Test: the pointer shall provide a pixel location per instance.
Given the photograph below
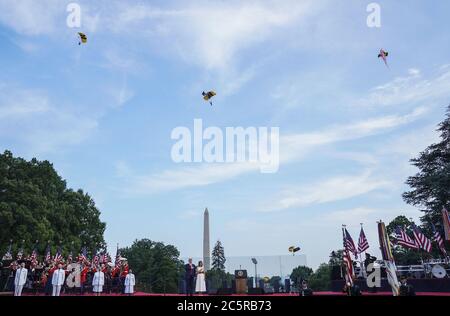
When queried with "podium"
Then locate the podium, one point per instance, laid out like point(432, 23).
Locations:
point(241, 281)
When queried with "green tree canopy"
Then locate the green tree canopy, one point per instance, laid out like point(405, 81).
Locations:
point(301, 273)
point(320, 280)
point(430, 187)
point(218, 257)
point(157, 266)
point(35, 204)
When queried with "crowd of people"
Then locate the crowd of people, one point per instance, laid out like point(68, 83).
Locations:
point(52, 278)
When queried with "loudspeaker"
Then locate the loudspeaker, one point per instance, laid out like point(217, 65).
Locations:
point(256, 291)
point(287, 286)
point(250, 284)
point(261, 283)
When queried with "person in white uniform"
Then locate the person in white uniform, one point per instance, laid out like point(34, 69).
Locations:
point(98, 281)
point(200, 285)
point(20, 280)
point(130, 282)
point(58, 280)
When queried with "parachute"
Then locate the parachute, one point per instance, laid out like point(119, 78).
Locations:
point(294, 249)
point(83, 38)
point(383, 55)
point(207, 96)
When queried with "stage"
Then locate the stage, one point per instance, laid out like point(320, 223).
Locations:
point(142, 294)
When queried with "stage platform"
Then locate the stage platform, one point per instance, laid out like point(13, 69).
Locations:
point(142, 294)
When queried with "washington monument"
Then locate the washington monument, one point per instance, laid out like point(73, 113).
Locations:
point(206, 249)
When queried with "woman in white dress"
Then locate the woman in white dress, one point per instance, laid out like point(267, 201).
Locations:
point(98, 281)
point(200, 285)
point(130, 282)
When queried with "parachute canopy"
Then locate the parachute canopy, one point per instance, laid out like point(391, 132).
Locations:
point(294, 249)
point(83, 38)
point(207, 96)
point(383, 55)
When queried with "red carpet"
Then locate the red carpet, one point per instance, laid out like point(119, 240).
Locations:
point(141, 294)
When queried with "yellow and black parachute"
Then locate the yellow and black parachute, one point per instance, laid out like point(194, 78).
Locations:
point(294, 249)
point(207, 96)
point(83, 38)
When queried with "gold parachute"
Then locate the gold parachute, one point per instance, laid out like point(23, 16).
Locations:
point(83, 38)
point(207, 96)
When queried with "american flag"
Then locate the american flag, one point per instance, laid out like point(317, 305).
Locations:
point(348, 243)
point(438, 239)
point(349, 273)
point(446, 221)
point(48, 256)
point(118, 256)
point(83, 255)
point(58, 256)
point(20, 254)
point(96, 259)
point(403, 239)
point(363, 244)
point(105, 257)
point(422, 240)
point(8, 254)
point(33, 257)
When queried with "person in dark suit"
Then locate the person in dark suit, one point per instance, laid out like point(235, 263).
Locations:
point(405, 288)
point(305, 290)
point(189, 276)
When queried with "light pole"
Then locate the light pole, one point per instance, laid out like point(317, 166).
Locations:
point(255, 262)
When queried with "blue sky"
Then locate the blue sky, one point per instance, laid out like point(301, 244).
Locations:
point(103, 112)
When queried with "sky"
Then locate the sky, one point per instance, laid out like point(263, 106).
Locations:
point(103, 113)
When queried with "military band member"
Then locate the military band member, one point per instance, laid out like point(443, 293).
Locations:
point(20, 279)
point(58, 278)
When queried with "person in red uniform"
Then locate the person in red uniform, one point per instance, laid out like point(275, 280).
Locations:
point(83, 278)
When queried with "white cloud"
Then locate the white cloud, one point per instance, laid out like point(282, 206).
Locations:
point(30, 17)
point(413, 88)
point(211, 33)
point(326, 190)
point(29, 118)
point(292, 148)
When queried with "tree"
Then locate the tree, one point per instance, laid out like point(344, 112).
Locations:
point(218, 279)
point(157, 266)
point(336, 258)
point(320, 280)
point(218, 257)
point(300, 273)
point(430, 187)
point(35, 204)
